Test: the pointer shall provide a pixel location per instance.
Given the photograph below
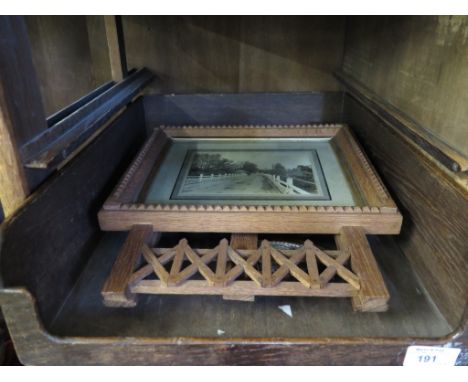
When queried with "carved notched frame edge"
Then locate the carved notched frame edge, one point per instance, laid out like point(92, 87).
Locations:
point(124, 198)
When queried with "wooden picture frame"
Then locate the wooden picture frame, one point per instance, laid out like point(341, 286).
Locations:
point(376, 212)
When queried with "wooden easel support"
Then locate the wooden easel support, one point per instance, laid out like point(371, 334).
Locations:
point(116, 289)
point(373, 295)
point(242, 241)
point(353, 263)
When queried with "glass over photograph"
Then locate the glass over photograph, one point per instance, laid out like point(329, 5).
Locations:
point(251, 174)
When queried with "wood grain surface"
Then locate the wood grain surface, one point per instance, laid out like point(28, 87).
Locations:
point(115, 290)
point(244, 241)
point(249, 222)
point(244, 108)
point(59, 220)
point(418, 65)
point(236, 53)
point(449, 157)
point(19, 91)
point(62, 60)
point(21, 317)
point(373, 295)
point(116, 47)
point(433, 204)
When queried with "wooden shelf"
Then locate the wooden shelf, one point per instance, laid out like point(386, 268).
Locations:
point(411, 312)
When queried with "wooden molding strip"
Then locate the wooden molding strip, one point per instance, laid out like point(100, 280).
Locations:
point(251, 131)
point(424, 139)
point(375, 221)
point(255, 208)
point(66, 111)
point(372, 188)
point(243, 288)
point(51, 147)
point(132, 181)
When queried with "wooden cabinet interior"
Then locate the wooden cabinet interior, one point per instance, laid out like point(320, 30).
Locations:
point(55, 260)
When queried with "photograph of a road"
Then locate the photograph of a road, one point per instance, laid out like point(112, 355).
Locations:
point(238, 184)
point(270, 174)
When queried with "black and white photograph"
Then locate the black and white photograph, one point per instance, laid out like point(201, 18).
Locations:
point(251, 174)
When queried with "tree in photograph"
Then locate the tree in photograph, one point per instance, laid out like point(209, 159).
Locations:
point(249, 167)
point(227, 166)
point(211, 164)
point(279, 169)
point(201, 163)
point(302, 172)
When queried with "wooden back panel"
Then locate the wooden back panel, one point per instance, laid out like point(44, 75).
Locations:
point(244, 108)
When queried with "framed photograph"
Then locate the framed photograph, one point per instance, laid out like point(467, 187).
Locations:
point(261, 179)
point(251, 175)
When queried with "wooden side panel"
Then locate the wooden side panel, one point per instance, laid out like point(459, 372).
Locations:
point(46, 243)
point(98, 49)
point(427, 141)
point(115, 46)
point(17, 73)
point(434, 207)
point(14, 186)
point(419, 65)
point(19, 91)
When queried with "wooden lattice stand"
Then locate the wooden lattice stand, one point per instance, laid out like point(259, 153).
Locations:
point(241, 274)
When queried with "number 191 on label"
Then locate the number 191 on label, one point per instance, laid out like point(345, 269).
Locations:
point(430, 355)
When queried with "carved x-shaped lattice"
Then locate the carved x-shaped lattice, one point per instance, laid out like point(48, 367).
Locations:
point(256, 265)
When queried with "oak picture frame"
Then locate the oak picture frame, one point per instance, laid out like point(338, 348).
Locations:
point(376, 212)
